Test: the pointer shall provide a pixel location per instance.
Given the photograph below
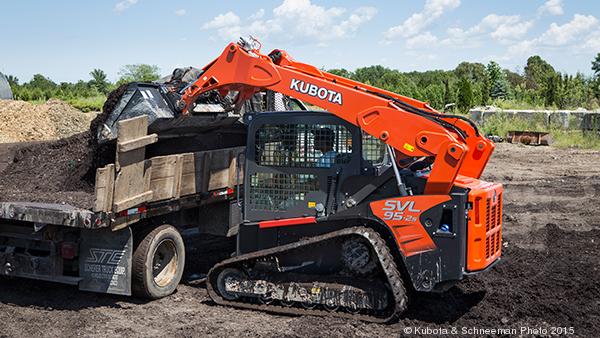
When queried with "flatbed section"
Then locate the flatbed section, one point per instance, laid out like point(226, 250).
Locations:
point(53, 213)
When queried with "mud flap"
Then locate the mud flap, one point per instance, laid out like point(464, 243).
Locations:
point(105, 261)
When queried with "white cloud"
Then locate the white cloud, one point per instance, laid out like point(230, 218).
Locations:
point(227, 25)
point(592, 42)
point(578, 34)
point(258, 15)
point(558, 35)
point(503, 28)
point(552, 7)
point(511, 30)
point(123, 5)
point(417, 22)
point(521, 48)
point(354, 21)
point(424, 40)
point(308, 18)
point(222, 20)
point(297, 19)
point(180, 12)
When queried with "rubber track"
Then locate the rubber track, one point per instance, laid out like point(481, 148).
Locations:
point(386, 260)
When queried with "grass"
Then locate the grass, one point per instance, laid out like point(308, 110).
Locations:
point(501, 124)
point(576, 139)
point(522, 105)
point(87, 104)
point(512, 104)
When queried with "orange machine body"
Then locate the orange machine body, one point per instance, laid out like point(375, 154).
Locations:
point(412, 128)
point(484, 222)
point(484, 235)
point(402, 215)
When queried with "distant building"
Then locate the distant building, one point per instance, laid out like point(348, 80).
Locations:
point(5, 92)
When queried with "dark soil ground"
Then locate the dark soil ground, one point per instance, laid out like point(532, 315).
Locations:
point(549, 275)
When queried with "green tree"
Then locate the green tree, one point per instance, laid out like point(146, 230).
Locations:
point(475, 72)
point(38, 94)
point(514, 79)
point(595, 82)
point(139, 73)
point(486, 88)
point(596, 65)
point(447, 93)
point(434, 95)
point(551, 90)
point(465, 95)
point(99, 80)
point(341, 72)
point(22, 93)
point(537, 72)
point(497, 80)
point(41, 82)
point(477, 93)
point(370, 74)
point(13, 81)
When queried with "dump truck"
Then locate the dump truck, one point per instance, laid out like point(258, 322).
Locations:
point(131, 236)
point(337, 212)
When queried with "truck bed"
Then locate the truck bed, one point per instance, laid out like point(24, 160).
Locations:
point(53, 213)
point(134, 187)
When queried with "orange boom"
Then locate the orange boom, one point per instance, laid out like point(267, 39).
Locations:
point(348, 236)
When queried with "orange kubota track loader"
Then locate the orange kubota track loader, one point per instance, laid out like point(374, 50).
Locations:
point(347, 210)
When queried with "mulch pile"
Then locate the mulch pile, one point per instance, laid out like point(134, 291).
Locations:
point(58, 171)
point(52, 172)
point(23, 121)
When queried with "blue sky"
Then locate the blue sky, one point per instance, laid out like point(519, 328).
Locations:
point(65, 39)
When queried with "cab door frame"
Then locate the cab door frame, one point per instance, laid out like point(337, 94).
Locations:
point(313, 185)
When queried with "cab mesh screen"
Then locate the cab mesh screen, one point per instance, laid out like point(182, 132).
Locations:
point(280, 192)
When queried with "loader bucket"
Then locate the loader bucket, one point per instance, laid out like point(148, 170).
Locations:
point(158, 100)
point(137, 99)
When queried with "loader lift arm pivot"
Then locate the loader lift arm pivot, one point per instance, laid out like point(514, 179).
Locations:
point(411, 127)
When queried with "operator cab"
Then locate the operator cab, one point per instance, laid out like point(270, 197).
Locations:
point(299, 163)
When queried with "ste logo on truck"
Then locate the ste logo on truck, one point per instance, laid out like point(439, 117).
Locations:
point(103, 264)
point(316, 91)
point(105, 256)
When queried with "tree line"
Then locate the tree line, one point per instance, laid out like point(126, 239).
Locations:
point(41, 87)
point(476, 84)
point(468, 85)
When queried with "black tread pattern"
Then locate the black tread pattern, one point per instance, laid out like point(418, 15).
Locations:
point(386, 259)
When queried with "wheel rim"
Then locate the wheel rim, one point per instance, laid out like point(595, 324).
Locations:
point(357, 257)
point(164, 263)
point(229, 276)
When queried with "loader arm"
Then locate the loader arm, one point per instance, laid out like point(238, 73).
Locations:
point(411, 127)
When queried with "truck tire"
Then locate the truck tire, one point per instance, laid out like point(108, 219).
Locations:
point(158, 262)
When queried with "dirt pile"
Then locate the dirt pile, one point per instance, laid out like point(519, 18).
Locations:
point(23, 121)
point(66, 119)
point(51, 170)
point(60, 171)
point(55, 171)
